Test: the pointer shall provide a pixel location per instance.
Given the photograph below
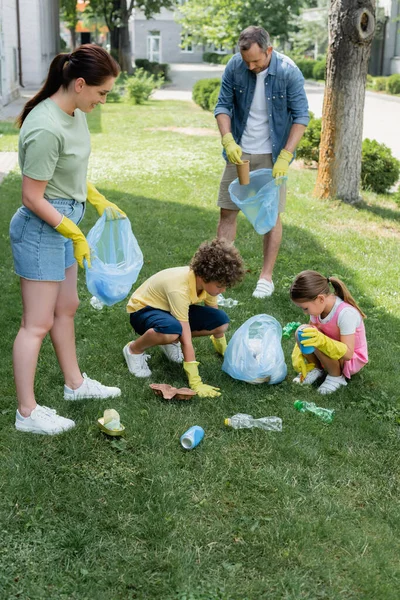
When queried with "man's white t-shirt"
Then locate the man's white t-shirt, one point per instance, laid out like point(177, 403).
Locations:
point(256, 138)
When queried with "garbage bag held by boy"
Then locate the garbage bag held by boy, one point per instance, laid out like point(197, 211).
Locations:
point(254, 353)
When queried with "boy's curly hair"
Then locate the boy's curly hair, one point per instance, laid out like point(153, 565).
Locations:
point(218, 261)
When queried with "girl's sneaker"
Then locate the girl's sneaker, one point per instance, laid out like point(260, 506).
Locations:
point(310, 378)
point(91, 388)
point(136, 363)
point(43, 420)
point(331, 384)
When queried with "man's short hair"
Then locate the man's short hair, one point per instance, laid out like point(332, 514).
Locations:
point(254, 35)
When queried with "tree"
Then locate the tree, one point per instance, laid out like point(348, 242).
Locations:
point(220, 22)
point(69, 15)
point(116, 14)
point(351, 29)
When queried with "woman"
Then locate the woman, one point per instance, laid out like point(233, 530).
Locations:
point(54, 149)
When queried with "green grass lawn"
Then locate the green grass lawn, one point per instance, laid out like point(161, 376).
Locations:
point(309, 513)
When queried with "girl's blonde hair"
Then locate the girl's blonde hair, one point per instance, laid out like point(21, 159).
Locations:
point(307, 285)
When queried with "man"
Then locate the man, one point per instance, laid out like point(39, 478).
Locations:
point(262, 113)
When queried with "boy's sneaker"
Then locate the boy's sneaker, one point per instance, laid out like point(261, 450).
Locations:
point(136, 363)
point(331, 384)
point(173, 351)
point(91, 388)
point(43, 420)
point(310, 378)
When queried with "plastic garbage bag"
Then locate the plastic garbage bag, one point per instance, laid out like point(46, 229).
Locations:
point(254, 353)
point(259, 199)
point(115, 257)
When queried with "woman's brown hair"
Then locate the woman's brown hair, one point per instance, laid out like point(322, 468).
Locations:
point(307, 285)
point(90, 62)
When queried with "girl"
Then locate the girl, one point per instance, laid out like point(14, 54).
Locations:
point(54, 148)
point(337, 333)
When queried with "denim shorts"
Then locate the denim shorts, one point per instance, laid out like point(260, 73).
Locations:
point(41, 253)
point(200, 318)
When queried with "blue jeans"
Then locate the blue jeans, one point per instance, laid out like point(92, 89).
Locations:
point(41, 253)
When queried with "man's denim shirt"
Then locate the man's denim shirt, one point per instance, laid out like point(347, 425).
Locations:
point(284, 89)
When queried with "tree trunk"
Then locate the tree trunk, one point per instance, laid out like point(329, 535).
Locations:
point(351, 29)
point(125, 54)
point(114, 42)
point(73, 37)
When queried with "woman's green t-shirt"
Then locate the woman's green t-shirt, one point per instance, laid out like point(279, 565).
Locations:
point(55, 147)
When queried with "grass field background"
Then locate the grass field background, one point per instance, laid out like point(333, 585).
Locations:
point(309, 513)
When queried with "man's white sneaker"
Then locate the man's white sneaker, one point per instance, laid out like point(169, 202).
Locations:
point(173, 351)
point(43, 420)
point(136, 363)
point(264, 289)
point(310, 378)
point(91, 388)
point(331, 384)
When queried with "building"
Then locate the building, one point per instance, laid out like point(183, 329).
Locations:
point(29, 40)
point(160, 39)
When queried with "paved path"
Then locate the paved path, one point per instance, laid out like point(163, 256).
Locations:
point(381, 115)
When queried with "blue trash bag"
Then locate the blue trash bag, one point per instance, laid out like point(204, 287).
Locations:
point(254, 353)
point(259, 199)
point(116, 259)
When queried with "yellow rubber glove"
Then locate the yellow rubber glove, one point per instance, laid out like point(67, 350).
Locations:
point(311, 336)
point(281, 165)
point(219, 344)
point(299, 362)
point(68, 229)
point(195, 382)
point(101, 203)
point(232, 149)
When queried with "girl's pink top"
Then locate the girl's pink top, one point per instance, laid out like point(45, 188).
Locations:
point(331, 329)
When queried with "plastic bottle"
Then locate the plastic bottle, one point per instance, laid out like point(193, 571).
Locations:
point(96, 303)
point(325, 414)
point(242, 421)
point(226, 302)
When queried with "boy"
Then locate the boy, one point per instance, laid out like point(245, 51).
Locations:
point(164, 311)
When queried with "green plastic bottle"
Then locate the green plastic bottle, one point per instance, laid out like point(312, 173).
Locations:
point(326, 414)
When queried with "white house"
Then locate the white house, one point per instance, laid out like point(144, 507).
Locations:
point(159, 39)
point(29, 40)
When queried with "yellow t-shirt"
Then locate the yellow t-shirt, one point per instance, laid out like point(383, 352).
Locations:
point(173, 290)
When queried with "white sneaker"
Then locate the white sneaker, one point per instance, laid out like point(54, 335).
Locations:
point(310, 378)
point(173, 351)
point(136, 363)
point(91, 388)
point(43, 420)
point(264, 289)
point(331, 384)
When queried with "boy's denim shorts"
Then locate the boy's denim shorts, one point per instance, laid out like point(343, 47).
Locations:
point(41, 253)
point(201, 318)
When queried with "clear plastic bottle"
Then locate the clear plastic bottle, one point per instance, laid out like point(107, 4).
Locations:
point(326, 414)
point(226, 302)
point(243, 421)
point(96, 303)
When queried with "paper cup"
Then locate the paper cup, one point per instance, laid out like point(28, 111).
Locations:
point(243, 172)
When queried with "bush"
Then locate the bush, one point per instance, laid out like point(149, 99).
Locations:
point(141, 85)
point(379, 168)
point(213, 99)
point(308, 148)
point(155, 68)
point(225, 59)
point(380, 84)
point(306, 66)
point(393, 84)
point(202, 90)
point(114, 96)
point(211, 57)
point(319, 69)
